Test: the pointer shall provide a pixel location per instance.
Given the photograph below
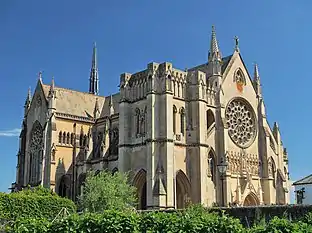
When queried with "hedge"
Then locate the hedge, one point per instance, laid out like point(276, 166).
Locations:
point(37, 203)
point(173, 222)
point(127, 222)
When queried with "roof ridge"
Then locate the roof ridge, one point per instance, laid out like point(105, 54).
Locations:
point(299, 181)
point(67, 89)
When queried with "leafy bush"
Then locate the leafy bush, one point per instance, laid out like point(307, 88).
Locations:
point(35, 203)
point(106, 191)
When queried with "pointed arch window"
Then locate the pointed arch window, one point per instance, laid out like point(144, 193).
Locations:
point(53, 155)
point(182, 120)
point(174, 122)
point(210, 118)
point(67, 138)
point(60, 137)
point(64, 138)
point(137, 115)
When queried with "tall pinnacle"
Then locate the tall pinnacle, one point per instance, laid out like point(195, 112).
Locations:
point(214, 52)
point(28, 98)
point(52, 87)
point(256, 72)
point(94, 79)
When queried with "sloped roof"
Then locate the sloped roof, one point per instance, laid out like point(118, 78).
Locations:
point(80, 103)
point(203, 67)
point(305, 180)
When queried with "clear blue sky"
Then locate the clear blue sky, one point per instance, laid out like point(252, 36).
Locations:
point(57, 37)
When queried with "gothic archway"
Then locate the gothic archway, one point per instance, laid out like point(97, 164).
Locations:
point(251, 200)
point(64, 186)
point(139, 182)
point(36, 154)
point(183, 190)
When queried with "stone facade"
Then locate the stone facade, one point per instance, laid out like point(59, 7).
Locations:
point(170, 128)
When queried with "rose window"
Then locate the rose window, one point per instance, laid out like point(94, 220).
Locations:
point(240, 119)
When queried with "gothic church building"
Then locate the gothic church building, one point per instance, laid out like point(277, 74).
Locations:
point(198, 135)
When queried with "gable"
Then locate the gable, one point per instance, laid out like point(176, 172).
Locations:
point(38, 106)
point(237, 82)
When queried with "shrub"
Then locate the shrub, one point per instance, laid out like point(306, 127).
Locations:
point(107, 191)
point(36, 203)
point(115, 221)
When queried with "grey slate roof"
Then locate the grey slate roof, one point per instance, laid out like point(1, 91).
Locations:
point(305, 180)
point(203, 67)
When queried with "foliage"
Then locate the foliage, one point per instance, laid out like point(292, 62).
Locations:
point(281, 226)
point(35, 203)
point(106, 191)
point(111, 221)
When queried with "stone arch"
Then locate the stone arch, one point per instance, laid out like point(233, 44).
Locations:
point(210, 118)
point(251, 200)
point(64, 186)
point(183, 190)
point(139, 181)
point(81, 182)
point(36, 154)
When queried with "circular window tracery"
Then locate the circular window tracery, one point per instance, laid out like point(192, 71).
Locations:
point(241, 122)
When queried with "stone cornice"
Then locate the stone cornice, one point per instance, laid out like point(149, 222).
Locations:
point(74, 117)
point(163, 140)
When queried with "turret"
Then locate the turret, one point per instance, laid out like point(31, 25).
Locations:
point(214, 59)
point(256, 81)
point(27, 102)
point(94, 76)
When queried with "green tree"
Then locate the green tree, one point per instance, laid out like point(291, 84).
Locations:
point(106, 191)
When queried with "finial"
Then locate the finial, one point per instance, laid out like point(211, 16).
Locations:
point(275, 125)
point(236, 43)
point(40, 76)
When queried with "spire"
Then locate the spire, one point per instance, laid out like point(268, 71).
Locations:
point(94, 79)
point(214, 59)
point(214, 52)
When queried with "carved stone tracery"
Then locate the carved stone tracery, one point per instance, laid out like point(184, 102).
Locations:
point(36, 153)
point(241, 122)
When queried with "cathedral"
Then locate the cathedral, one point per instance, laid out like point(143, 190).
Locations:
point(198, 135)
